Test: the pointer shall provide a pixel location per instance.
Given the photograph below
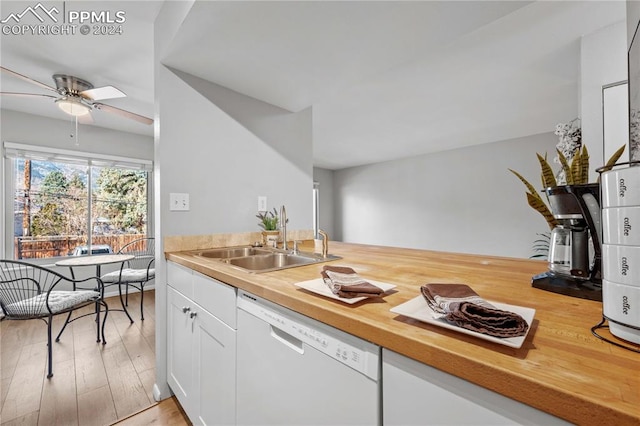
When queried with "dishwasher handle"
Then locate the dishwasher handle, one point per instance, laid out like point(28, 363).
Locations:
point(288, 340)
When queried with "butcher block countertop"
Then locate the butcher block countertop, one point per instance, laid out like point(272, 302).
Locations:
point(561, 368)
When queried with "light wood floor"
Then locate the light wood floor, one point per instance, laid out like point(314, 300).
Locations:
point(93, 384)
point(167, 412)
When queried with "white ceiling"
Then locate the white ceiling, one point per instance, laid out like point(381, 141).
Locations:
point(385, 79)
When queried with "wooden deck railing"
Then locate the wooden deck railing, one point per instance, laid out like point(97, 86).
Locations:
point(45, 247)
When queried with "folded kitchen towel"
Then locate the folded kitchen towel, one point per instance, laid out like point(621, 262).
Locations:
point(459, 304)
point(345, 282)
point(440, 297)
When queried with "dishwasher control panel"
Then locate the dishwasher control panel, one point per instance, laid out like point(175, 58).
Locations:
point(358, 354)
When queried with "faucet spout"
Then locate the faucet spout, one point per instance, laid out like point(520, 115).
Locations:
point(325, 243)
point(283, 227)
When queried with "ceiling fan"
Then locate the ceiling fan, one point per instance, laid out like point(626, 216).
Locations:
point(77, 97)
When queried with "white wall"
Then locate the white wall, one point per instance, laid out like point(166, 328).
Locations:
point(633, 16)
point(224, 149)
point(603, 60)
point(463, 200)
point(31, 129)
point(226, 162)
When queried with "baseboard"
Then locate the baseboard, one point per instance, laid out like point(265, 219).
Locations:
point(161, 392)
point(134, 414)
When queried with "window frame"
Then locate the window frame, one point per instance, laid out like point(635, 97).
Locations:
point(11, 151)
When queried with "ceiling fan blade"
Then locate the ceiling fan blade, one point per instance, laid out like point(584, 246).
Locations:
point(85, 119)
point(104, 92)
point(30, 80)
point(140, 118)
point(35, 95)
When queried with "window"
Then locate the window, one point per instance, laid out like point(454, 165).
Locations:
point(71, 205)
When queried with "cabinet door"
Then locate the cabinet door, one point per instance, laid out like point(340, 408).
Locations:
point(179, 344)
point(417, 394)
point(214, 361)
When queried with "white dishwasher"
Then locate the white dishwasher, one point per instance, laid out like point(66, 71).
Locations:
point(293, 370)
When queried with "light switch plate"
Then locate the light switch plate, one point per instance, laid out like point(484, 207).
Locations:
point(262, 203)
point(178, 201)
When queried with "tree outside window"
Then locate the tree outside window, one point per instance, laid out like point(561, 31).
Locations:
point(52, 207)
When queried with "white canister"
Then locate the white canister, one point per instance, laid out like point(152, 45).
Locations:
point(621, 303)
point(621, 187)
point(621, 225)
point(621, 264)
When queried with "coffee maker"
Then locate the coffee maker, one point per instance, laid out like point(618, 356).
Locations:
point(575, 260)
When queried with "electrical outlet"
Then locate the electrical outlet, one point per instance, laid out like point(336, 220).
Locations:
point(262, 203)
point(178, 201)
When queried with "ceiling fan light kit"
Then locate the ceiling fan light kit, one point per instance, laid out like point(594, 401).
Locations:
point(73, 106)
point(78, 96)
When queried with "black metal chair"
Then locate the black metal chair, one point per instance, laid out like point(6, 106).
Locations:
point(29, 291)
point(136, 272)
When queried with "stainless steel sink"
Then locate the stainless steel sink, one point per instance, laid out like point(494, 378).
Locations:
point(257, 260)
point(271, 261)
point(229, 252)
point(276, 261)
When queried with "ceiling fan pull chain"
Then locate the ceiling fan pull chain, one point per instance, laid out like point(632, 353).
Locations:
point(76, 135)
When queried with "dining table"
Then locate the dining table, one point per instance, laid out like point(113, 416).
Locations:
point(97, 260)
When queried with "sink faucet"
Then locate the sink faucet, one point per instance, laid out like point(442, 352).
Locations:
point(283, 227)
point(325, 242)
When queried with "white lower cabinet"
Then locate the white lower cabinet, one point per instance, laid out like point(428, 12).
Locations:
point(202, 361)
point(201, 358)
point(417, 394)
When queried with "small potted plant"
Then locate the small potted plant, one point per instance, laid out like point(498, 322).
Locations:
point(269, 223)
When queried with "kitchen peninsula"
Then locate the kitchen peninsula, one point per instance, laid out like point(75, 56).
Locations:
point(561, 368)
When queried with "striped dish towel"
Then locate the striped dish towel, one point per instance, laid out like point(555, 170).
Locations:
point(345, 282)
point(459, 304)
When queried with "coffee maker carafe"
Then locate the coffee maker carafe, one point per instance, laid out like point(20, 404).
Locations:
point(575, 261)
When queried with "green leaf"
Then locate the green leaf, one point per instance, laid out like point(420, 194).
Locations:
point(535, 256)
point(268, 220)
point(541, 242)
point(575, 168)
point(614, 158)
point(547, 174)
point(526, 183)
point(584, 166)
point(565, 167)
point(539, 205)
point(541, 246)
